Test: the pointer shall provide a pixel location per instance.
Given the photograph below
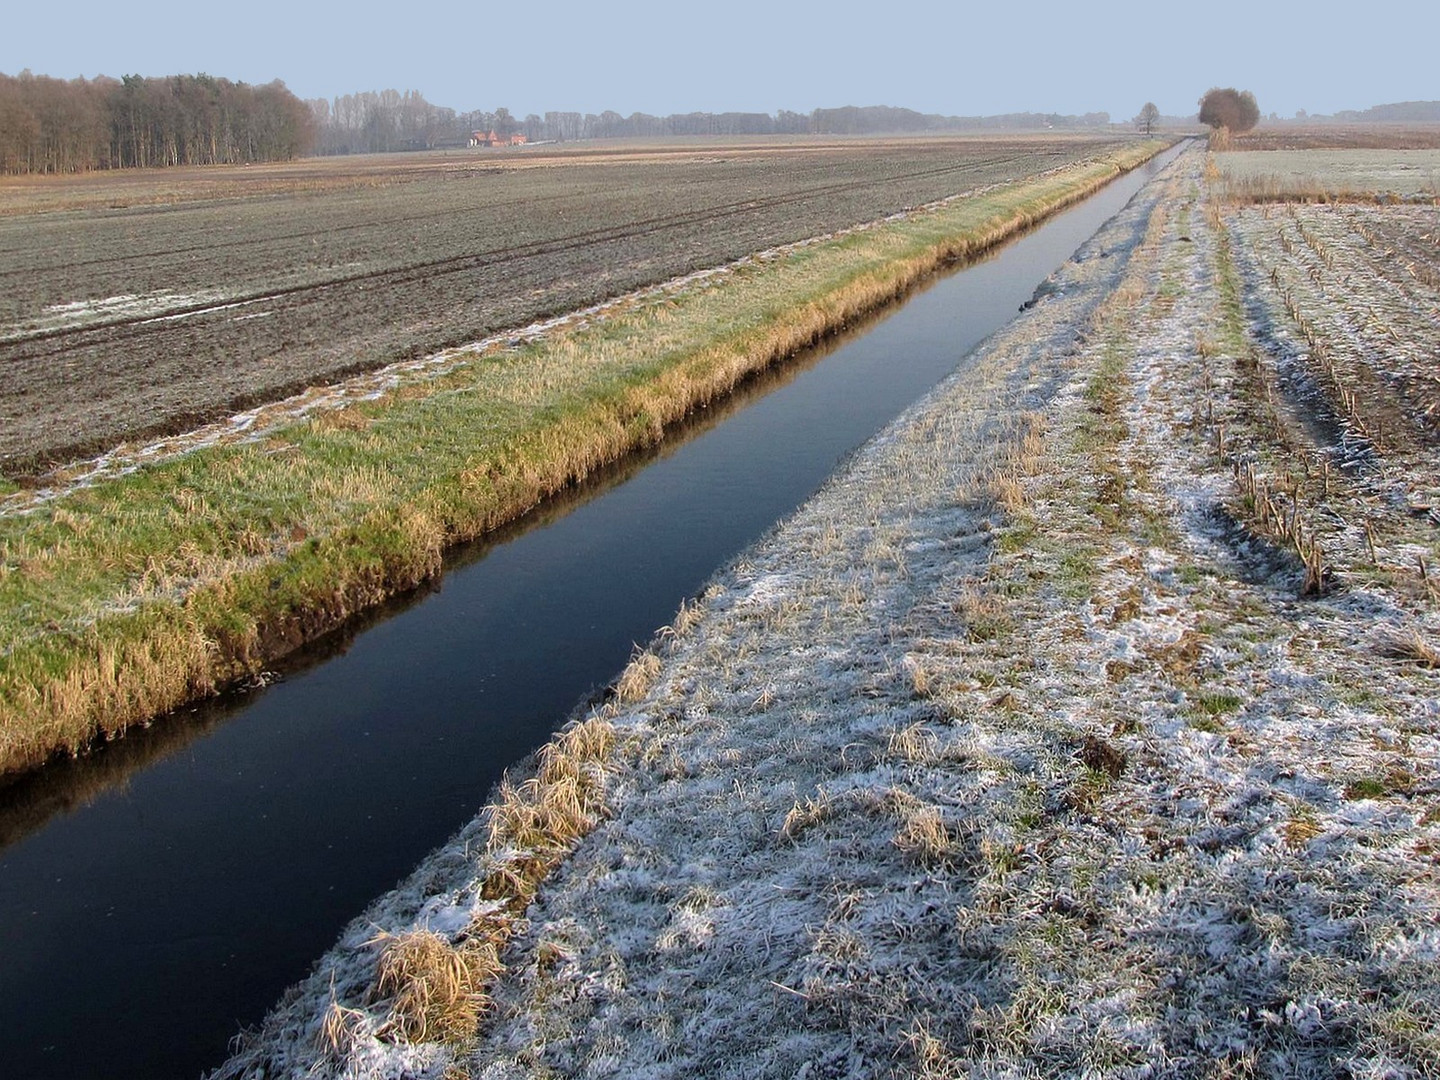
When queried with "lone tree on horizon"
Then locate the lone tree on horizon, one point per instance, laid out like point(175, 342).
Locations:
point(1234, 110)
point(1147, 118)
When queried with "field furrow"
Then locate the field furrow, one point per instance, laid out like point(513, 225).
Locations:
point(171, 308)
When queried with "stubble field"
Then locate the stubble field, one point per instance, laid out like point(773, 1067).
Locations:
point(146, 303)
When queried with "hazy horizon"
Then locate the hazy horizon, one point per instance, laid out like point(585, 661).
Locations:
point(643, 56)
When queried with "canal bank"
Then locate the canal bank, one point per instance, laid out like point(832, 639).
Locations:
point(211, 879)
point(705, 774)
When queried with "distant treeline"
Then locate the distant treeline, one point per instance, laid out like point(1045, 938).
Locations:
point(389, 120)
point(1400, 112)
point(57, 125)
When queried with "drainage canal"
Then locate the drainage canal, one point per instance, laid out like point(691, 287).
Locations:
point(159, 895)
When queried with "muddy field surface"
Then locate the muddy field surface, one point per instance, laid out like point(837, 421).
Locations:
point(1327, 136)
point(143, 304)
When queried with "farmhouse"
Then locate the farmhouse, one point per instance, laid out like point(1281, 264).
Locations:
point(489, 138)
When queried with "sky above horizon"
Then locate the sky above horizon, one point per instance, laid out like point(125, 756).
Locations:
point(759, 55)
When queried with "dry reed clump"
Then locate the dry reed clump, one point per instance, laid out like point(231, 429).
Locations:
point(340, 1030)
point(1410, 645)
point(686, 619)
point(437, 988)
point(924, 837)
point(1005, 490)
point(637, 678)
point(922, 679)
point(544, 815)
point(914, 743)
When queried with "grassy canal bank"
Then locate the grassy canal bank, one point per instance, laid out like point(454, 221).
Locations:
point(1027, 747)
point(127, 597)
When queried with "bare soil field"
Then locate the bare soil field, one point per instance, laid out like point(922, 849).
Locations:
point(145, 303)
point(1338, 136)
point(1085, 725)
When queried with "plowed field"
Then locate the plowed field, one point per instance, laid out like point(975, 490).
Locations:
point(144, 303)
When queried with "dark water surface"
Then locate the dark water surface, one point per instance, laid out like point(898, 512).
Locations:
point(160, 894)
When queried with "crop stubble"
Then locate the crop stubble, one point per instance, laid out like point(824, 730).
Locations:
point(243, 293)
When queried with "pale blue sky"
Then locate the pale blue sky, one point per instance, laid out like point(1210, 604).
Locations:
point(760, 55)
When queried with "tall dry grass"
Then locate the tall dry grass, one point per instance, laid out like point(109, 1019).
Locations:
point(435, 988)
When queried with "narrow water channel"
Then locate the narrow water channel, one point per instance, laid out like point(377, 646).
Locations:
point(159, 895)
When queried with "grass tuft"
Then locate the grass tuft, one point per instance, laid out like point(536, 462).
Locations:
point(339, 1031)
point(434, 987)
point(1409, 645)
point(637, 678)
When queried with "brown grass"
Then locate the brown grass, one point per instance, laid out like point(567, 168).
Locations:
point(923, 836)
point(915, 743)
point(1409, 645)
point(635, 681)
point(806, 815)
point(437, 988)
point(339, 1030)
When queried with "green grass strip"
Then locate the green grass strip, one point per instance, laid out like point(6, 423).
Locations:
point(129, 598)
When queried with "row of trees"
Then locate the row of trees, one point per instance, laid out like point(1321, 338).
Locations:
point(389, 120)
point(57, 125)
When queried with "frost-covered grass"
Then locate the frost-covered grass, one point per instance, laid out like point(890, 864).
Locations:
point(1321, 175)
point(1015, 752)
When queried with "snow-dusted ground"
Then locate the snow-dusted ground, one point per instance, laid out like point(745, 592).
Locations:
point(1015, 752)
point(1387, 172)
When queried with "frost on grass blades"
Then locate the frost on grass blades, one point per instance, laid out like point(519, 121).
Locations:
point(1020, 749)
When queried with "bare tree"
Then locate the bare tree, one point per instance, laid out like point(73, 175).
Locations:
point(53, 125)
point(1147, 118)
